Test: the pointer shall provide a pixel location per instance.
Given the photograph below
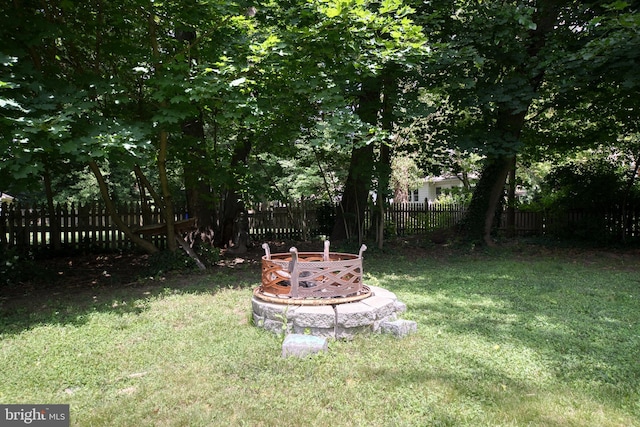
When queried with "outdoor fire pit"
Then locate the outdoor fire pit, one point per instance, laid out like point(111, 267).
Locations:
point(312, 278)
point(322, 294)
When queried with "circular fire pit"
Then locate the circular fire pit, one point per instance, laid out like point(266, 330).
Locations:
point(312, 278)
point(322, 294)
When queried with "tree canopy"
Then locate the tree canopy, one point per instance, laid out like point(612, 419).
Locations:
point(223, 104)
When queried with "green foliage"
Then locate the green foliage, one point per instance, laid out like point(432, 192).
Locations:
point(9, 266)
point(164, 262)
point(208, 254)
point(405, 176)
point(16, 268)
point(590, 188)
point(594, 184)
point(459, 196)
point(84, 81)
point(588, 96)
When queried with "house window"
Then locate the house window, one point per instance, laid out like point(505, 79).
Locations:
point(415, 195)
point(438, 192)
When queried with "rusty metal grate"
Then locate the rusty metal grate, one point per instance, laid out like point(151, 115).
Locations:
point(304, 277)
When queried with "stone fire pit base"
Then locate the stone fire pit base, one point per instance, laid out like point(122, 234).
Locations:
point(377, 313)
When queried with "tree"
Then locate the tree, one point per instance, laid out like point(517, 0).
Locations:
point(374, 39)
point(497, 55)
point(94, 82)
point(588, 101)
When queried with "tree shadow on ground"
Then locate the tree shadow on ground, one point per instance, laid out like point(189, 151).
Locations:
point(72, 288)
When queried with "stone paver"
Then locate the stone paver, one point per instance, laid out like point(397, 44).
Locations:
point(399, 328)
point(303, 345)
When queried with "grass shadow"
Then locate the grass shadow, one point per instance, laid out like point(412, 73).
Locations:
point(61, 305)
point(578, 317)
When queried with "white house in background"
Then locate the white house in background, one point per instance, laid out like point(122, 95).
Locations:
point(432, 187)
point(5, 198)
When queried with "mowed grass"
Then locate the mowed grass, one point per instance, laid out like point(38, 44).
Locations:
point(511, 337)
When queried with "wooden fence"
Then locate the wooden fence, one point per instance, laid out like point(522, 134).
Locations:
point(89, 227)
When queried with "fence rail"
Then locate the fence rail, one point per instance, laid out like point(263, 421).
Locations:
point(89, 227)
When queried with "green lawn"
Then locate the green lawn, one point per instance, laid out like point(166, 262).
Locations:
point(510, 337)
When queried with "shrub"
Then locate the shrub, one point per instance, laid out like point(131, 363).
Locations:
point(585, 199)
point(165, 261)
point(15, 268)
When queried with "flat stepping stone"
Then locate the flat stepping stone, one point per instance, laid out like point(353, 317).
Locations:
point(303, 345)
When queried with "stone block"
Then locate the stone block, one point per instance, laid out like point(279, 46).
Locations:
point(399, 328)
point(377, 323)
point(381, 292)
point(303, 345)
point(381, 306)
point(318, 332)
point(321, 316)
point(273, 311)
point(276, 326)
point(350, 333)
point(400, 307)
point(354, 314)
point(258, 320)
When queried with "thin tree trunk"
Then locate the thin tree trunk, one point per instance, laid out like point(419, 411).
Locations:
point(163, 137)
point(145, 186)
point(511, 201)
point(384, 163)
point(166, 191)
point(104, 192)
point(145, 182)
point(200, 199)
point(54, 220)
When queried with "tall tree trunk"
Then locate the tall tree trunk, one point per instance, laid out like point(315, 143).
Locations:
point(350, 215)
point(104, 192)
point(167, 198)
point(232, 203)
point(384, 162)
point(487, 194)
point(489, 191)
point(482, 211)
point(200, 199)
